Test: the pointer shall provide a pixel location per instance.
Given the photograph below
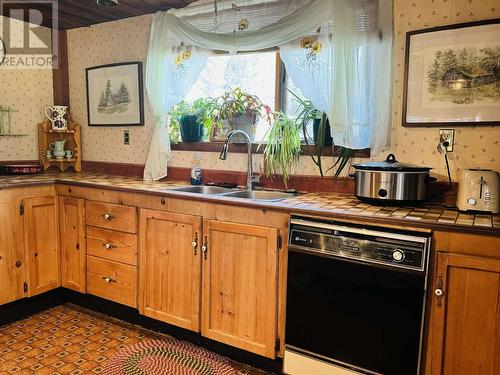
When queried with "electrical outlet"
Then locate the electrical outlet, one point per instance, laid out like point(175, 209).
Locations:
point(447, 135)
point(126, 137)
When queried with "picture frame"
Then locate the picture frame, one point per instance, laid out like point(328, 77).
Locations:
point(452, 75)
point(115, 95)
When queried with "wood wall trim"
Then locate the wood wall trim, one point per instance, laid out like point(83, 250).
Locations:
point(19, 162)
point(60, 76)
point(117, 169)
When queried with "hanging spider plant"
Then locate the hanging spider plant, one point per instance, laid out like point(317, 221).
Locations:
point(282, 149)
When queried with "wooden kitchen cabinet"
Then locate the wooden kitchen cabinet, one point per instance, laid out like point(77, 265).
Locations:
point(12, 263)
point(465, 324)
point(41, 237)
point(169, 267)
point(240, 285)
point(73, 243)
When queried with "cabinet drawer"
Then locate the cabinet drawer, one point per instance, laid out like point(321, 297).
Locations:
point(113, 281)
point(112, 245)
point(111, 216)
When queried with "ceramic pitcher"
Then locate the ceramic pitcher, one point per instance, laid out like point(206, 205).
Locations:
point(58, 148)
point(57, 116)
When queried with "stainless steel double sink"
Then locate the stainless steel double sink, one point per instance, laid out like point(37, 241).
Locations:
point(259, 195)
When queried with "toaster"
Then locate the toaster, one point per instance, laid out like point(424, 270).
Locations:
point(478, 190)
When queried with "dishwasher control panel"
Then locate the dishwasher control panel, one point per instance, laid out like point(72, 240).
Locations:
point(360, 244)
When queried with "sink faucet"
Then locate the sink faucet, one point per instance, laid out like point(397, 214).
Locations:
point(225, 151)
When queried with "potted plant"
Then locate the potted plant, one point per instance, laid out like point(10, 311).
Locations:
point(239, 110)
point(191, 121)
point(282, 149)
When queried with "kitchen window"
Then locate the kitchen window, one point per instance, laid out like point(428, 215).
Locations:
point(259, 73)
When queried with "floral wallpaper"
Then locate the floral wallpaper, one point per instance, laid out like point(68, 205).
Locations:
point(28, 92)
point(127, 40)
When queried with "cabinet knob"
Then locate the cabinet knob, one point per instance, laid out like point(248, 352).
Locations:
point(108, 279)
point(204, 248)
point(439, 290)
point(18, 264)
point(108, 246)
point(108, 216)
point(195, 244)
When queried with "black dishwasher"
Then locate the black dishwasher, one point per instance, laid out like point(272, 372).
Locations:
point(355, 298)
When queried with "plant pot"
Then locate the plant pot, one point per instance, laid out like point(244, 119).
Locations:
point(328, 137)
point(191, 130)
point(246, 123)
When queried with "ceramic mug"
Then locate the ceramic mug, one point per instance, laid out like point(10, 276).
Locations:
point(69, 153)
point(57, 116)
point(58, 148)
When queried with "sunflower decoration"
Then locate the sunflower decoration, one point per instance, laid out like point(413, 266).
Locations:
point(181, 58)
point(313, 49)
point(243, 24)
point(316, 48)
point(180, 62)
point(306, 42)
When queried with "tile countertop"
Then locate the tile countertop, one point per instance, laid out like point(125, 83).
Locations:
point(330, 205)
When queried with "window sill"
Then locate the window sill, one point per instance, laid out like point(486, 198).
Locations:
point(242, 148)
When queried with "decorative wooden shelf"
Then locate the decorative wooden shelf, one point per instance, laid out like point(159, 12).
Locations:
point(72, 136)
point(68, 131)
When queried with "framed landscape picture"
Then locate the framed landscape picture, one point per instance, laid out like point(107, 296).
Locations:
point(115, 95)
point(452, 75)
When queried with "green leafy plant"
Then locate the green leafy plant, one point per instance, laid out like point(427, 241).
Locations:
point(307, 113)
point(236, 102)
point(201, 108)
point(282, 149)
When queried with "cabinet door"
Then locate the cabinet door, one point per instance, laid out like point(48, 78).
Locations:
point(240, 286)
point(41, 235)
point(465, 336)
point(12, 264)
point(73, 244)
point(169, 268)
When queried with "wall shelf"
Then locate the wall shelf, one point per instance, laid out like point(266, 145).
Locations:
point(72, 136)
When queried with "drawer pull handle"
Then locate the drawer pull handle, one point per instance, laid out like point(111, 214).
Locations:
point(109, 246)
point(108, 216)
point(108, 279)
point(195, 244)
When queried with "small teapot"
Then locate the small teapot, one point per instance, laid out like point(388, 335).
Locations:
point(57, 116)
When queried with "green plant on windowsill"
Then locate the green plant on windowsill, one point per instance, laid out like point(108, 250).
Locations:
point(239, 110)
point(191, 123)
point(321, 138)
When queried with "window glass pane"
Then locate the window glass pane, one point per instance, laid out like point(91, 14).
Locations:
point(254, 73)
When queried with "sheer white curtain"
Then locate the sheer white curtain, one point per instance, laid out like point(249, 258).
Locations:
point(353, 55)
point(170, 73)
point(344, 69)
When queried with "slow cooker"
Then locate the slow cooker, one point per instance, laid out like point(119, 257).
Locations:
point(391, 182)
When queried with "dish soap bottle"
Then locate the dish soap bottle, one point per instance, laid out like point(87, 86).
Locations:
point(196, 178)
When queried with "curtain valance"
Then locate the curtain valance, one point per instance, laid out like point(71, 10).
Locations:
point(303, 21)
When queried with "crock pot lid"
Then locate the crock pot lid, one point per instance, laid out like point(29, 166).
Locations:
point(390, 164)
